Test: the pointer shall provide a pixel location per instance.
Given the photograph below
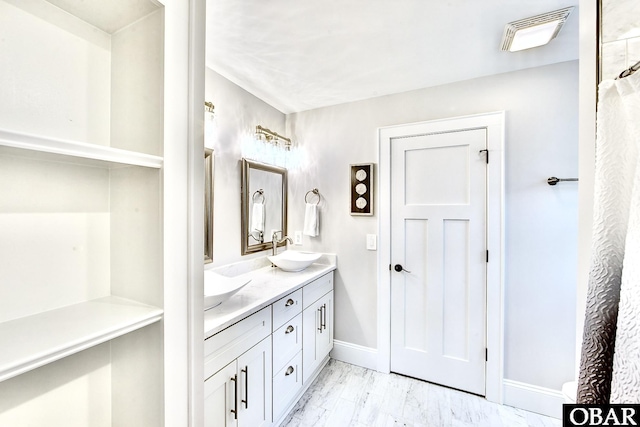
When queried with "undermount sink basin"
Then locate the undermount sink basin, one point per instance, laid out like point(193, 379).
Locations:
point(294, 260)
point(218, 289)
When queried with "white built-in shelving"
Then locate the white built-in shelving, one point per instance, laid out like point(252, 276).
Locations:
point(73, 151)
point(34, 341)
point(82, 142)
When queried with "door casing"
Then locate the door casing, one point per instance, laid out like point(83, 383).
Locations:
point(494, 123)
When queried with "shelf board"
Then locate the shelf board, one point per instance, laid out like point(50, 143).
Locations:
point(33, 341)
point(17, 143)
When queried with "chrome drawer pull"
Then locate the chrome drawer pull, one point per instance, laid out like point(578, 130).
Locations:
point(289, 371)
point(289, 302)
point(289, 329)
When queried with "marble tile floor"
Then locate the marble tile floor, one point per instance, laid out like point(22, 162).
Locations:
point(346, 395)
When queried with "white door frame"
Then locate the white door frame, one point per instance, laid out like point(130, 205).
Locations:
point(494, 124)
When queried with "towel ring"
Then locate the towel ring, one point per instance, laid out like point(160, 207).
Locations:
point(314, 191)
point(258, 193)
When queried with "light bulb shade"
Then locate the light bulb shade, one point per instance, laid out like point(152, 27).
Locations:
point(535, 31)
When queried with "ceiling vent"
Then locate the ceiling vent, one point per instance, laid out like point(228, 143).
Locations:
point(535, 31)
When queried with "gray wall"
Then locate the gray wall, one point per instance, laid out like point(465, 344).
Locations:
point(541, 107)
point(237, 114)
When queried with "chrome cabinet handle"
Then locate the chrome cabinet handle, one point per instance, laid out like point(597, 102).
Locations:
point(289, 371)
point(320, 322)
point(324, 316)
point(234, 411)
point(289, 329)
point(246, 386)
point(289, 302)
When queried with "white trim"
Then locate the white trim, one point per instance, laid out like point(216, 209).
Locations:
point(355, 354)
point(195, 237)
point(533, 398)
point(494, 123)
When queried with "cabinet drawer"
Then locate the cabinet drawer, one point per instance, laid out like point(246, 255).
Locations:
point(286, 308)
point(316, 289)
point(225, 346)
point(286, 384)
point(287, 341)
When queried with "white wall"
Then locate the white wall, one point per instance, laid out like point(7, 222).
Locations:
point(541, 221)
point(41, 80)
point(237, 113)
point(541, 230)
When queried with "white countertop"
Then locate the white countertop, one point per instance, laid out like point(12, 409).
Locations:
point(268, 284)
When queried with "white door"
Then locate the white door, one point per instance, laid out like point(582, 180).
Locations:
point(438, 237)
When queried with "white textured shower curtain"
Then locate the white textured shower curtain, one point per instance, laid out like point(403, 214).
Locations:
point(610, 359)
point(625, 384)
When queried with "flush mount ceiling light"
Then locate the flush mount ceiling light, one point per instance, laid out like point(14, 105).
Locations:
point(535, 31)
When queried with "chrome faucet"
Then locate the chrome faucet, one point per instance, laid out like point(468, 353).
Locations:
point(275, 242)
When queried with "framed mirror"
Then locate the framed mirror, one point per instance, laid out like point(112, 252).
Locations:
point(208, 205)
point(264, 205)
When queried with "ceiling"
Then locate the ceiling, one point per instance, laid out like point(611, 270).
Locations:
point(300, 55)
point(109, 16)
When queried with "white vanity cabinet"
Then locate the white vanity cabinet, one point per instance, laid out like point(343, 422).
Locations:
point(239, 392)
point(297, 332)
point(287, 351)
point(317, 324)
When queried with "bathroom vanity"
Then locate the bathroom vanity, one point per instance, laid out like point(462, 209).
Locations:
point(265, 345)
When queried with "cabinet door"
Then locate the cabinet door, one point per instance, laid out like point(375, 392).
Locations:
point(317, 334)
point(254, 379)
point(220, 398)
point(324, 341)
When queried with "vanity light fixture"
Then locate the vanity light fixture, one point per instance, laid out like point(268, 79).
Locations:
point(273, 137)
point(534, 31)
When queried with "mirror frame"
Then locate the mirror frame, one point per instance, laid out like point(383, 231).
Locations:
point(247, 165)
point(208, 205)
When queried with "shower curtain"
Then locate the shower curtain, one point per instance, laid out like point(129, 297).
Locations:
point(610, 359)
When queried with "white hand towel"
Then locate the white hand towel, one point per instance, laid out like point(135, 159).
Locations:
point(311, 220)
point(257, 217)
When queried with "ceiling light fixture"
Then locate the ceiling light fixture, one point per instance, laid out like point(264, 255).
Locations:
point(534, 31)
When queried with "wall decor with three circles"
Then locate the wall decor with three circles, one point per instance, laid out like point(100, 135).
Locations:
point(362, 189)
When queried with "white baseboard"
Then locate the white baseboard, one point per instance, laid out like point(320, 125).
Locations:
point(354, 354)
point(533, 398)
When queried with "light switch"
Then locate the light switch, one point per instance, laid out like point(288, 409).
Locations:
point(372, 243)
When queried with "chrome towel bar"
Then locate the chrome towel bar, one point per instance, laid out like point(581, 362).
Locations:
point(553, 180)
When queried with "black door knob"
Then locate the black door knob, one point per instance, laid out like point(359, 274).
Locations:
point(400, 268)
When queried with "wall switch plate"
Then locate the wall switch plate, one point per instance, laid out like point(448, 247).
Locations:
point(297, 238)
point(372, 242)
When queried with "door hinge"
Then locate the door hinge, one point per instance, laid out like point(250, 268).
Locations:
point(486, 158)
point(486, 354)
point(487, 255)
